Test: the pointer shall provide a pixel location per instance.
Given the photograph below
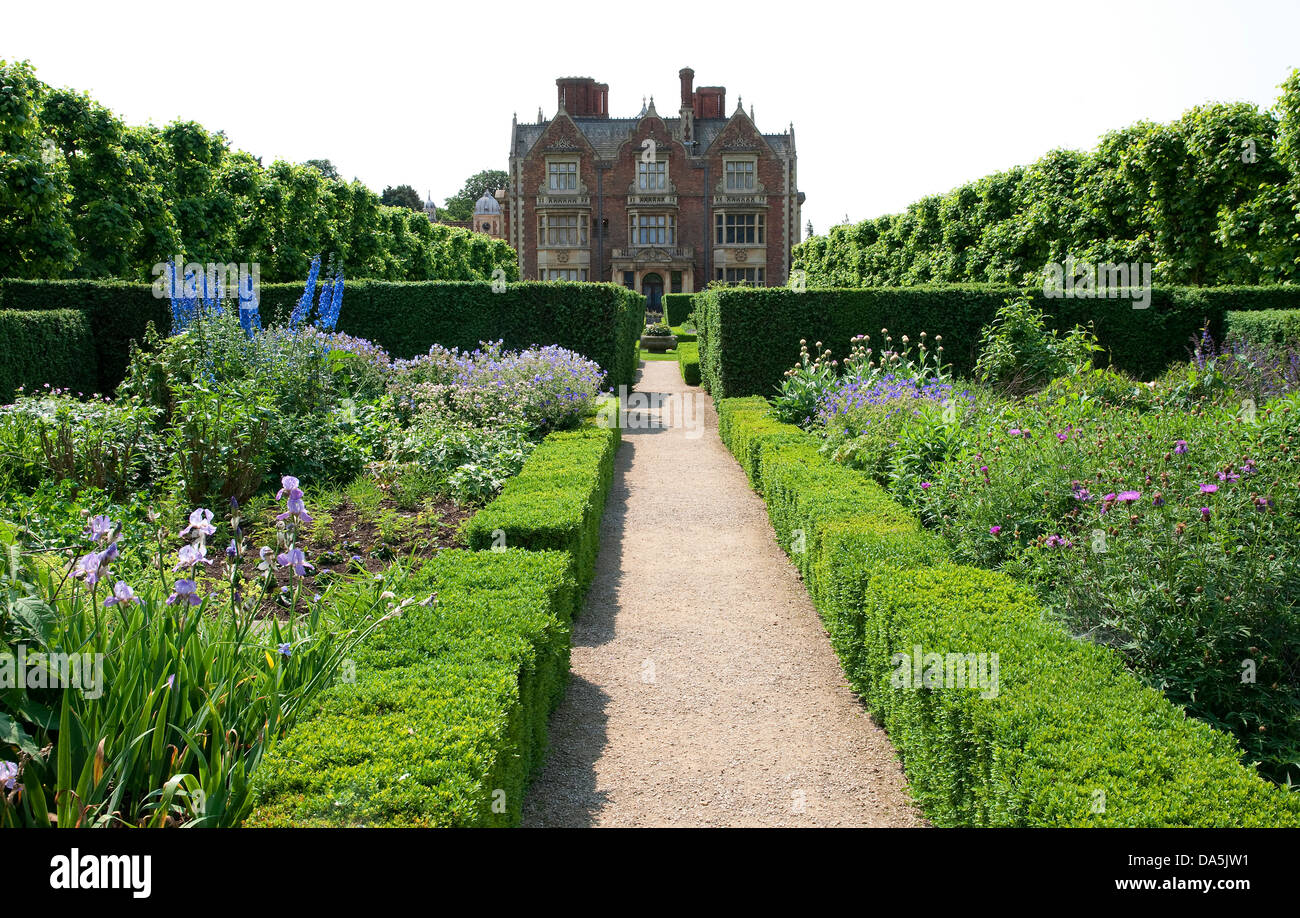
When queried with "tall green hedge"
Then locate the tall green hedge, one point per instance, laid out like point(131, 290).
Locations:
point(46, 346)
point(749, 337)
point(1069, 738)
point(1265, 326)
point(677, 307)
point(600, 321)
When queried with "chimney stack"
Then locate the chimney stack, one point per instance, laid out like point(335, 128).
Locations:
point(583, 97)
point(688, 82)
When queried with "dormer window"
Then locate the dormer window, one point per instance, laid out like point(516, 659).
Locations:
point(739, 174)
point(652, 176)
point(562, 175)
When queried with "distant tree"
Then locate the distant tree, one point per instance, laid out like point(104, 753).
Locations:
point(461, 205)
point(401, 196)
point(324, 167)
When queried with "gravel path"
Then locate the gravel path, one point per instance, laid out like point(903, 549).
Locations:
point(704, 691)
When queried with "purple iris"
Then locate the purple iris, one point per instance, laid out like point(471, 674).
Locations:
point(200, 523)
point(90, 568)
point(286, 650)
point(295, 559)
point(8, 774)
point(184, 591)
point(190, 555)
point(99, 528)
point(123, 595)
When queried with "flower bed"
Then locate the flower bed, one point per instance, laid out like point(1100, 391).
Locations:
point(1069, 737)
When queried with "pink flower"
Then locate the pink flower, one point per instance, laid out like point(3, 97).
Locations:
point(1209, 488)
point(925, 486)
point(1205, 513)
point(1128, 496)
point(994, 530)
point(1180, 447)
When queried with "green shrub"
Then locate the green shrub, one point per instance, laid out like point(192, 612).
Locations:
point(677, 307)
point(1067, 720)
point(1018, 353)
point(749, 337)
point(555, 502)
point(48, 346)
point(446, 719)
point(1265, 326)
point(688, 359)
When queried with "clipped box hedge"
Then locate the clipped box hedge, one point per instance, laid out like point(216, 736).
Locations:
point(446, 719)
point(749, 337)
point(52, 346)
point(1068, 728)
point(677, 307)
point(555, 502)
point(688, 360)
point(602, 322)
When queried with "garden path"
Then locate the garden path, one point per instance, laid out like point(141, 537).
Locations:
point(704, 691)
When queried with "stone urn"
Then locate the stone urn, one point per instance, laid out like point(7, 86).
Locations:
point(658, 339)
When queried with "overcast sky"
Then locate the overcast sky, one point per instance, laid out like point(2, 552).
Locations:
point(890, 101)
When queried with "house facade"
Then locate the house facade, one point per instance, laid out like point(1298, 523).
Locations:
point(660, 205)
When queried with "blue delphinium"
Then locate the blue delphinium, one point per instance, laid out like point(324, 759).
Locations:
point(185, 308)
point(303, 309)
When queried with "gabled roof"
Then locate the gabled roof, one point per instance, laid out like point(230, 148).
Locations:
point(606, 135)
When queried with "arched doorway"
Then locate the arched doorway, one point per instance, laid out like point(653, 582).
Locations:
point(652, 285)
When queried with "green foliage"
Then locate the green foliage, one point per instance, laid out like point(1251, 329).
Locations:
point(677, 307)
point(1208, 199)
point(688, 359)
point(1265, 327)
point(85, 195)
point(402, 196)
point(53, 346)
point(1066, 719)
point(52, 436)
point(747, 336)
point(1018, 353)
point(555, 502)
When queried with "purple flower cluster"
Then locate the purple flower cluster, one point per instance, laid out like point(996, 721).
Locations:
point(541, 387)
point(852, 393)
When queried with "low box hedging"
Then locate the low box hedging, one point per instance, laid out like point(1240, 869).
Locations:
point(555, 502)
point(749, 337)
point(1068, 727)
point(446, 719)
point(602, 322)
point(1265, 326)
point(52, 346)
point(677, 307)
point(688, 359)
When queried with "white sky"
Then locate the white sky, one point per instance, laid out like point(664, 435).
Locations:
point(890, 101)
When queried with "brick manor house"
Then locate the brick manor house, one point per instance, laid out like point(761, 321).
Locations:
point(661, 206)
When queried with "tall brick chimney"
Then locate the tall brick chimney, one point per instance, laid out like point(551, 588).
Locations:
point(582, 97)
point(688, 81)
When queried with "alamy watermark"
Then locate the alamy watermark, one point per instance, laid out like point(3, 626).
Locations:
point(654, 411)
point(947, 671)
point(176, 279)
point(1086, 280)
point(39, 670)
